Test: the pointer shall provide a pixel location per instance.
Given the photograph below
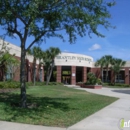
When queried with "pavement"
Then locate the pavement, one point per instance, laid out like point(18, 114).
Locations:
point(106, 119)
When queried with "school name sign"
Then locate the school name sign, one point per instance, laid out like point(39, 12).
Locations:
point(73, 58)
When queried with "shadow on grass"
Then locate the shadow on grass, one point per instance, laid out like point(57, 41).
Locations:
point(36, 106)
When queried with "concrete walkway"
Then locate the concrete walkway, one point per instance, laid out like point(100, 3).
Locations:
point(18, 126)
point(105, 119)
point(108, 118)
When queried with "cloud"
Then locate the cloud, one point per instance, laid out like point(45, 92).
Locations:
point(65, 50)
point(95, 47)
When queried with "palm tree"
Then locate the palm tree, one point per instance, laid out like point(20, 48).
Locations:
point(107, 62)
point(100, 63)
point(41, 55)
point(48, 58)
point(36, 52)
point(117, 64)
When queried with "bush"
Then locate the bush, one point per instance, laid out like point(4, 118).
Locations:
point(116, 85)
point(16, 84)
point(92, 80)
point(43, 83)
point(10, 84)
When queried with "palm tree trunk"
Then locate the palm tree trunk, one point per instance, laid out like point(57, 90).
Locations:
point(118, 77)
point(115, 79)
point(107, 75)
point(50, 73)
point(47, 75)
point(39, 72)
point(34, 72)
point(101, 73)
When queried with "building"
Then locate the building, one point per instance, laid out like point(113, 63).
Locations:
point(70, 68)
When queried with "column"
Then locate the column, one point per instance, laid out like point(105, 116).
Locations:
point(92, 70)
point(112, 77)
point(27, 70)
point(73, 75)
point(58, 77)
point(29, 73)
point(84, 74)
point(126, 75)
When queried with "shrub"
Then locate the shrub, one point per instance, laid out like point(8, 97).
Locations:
point(16, 84)
point(10, 84)
point(92, 80)
point(116, 85)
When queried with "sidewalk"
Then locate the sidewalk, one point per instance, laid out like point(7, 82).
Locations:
point(107, 118)
point(18, 126)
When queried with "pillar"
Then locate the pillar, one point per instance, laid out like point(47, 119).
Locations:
point(58, 76)
point(92, 70)
point(73, 75)
point(84, 74)
point(27, 67)
point(112, 77)
point(29, 73)
point(126, 75)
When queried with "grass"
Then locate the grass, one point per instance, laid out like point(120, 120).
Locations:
point(116, 85)
point(52, 106)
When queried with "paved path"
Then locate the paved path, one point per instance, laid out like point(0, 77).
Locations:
point(18, 126)
point(105, 119)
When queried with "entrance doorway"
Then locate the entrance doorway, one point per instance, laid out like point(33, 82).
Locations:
point(66, 74)
point(66, 79)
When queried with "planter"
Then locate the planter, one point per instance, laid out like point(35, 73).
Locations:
point(92, 86)
point(82, 85)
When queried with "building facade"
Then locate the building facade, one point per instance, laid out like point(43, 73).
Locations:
point(70, 68)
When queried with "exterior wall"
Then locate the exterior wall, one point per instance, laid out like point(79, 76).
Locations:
point(63, 59)
point(72, 59)
point(112, 77)
point(59, 70)
point(84, 74)
point(96, 71)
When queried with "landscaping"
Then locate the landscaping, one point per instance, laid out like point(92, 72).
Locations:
point(116, 85)
point(93, 82)
point(53, 105)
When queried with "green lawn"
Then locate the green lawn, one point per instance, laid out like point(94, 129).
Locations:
point(116, 85)
point(52, 106)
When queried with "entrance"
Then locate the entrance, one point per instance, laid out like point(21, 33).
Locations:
point(66, 79)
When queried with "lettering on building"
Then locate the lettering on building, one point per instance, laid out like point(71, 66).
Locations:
point(73, 58)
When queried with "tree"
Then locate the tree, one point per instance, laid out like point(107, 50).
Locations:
point(36, 52)
point(48, 59)
point(107, 62)
point(100, 63)
point(117, 64)
point(44, 18)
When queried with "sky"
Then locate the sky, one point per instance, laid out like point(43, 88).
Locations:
point(115, 43)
